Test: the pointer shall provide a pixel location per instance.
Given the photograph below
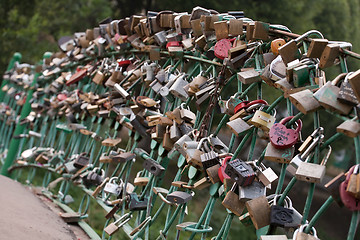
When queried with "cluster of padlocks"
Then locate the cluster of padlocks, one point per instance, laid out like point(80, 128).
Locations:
point(163, 77)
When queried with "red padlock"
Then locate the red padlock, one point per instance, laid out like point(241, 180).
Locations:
point(61, 97)
point(221, 170)
point(221, 49)
point(80, 74)
point(349, 201)
point(246, 104)
point(282, 137)
point(124, 63)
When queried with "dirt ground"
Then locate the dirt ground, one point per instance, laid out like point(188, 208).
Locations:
point(25, 216)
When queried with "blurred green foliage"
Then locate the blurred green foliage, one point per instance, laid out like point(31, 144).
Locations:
point(32, 27)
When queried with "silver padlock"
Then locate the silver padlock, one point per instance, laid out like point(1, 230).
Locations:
point(177, 89)
point(112, 187)
point(252, 191)
point(266, 175)
point(311, 172)
point(180, 143)
point(299, 158)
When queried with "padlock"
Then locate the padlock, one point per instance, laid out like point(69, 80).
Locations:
point(177, 89)
point(209, 159)
point(167, 142)
point(299, 234)
point(98, 78)
point(179, 197)
point(254, 190)
point(333, 187)
point(93, 178)
point(263, 120)
point(140, 181)
point(112, 187)
point(41, 158)
point(238, 126)
point(175, 133)
point(349, 128)
point(349, 200)
point(135, 204)
point(259, 210)
point(299, 158)
point(328, 56)
point(193, 155)
point(316, 48)
point(153, 167)
point(115, 226)
point(310, 139)
point(327, 97)
point(221, 30)
point(197, 82)
point(69, 167)
point(346, 93)
point(232, 201)
point(122, 91)
point(109, 142)
point(213, 173)
point(123, 157)
point(240, 172)
point(282, 217)
point(71, 217)
point(249, 76)
point(186, 114)
point(310, 172)
point(179, 144)
point(353, 187)
point(273, 237)
point(282, 137)
point(81, 161)
point(276, 44)
point(354, 82)
point(266, 175)
point(304, 101)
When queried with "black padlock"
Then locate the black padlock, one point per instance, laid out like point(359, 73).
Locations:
point(123, 157)
point(135, 204)
point(153, 167)
point(93, 179)
point(209, 159)
point(241, 172)
point(179, 197)
point(81, 161)
point(282, 217)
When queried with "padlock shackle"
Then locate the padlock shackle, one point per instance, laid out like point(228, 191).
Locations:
point(338, 79)
point(287, 119)
point(307, 34)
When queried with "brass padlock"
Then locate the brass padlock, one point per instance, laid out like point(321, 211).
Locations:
point(221, 30)
point(304, 101)
point(354, 82)
point(354, 183)
point(249, 76)
point(328, 56)
point(263, 120)
point(259, 210)
point(299, 234)
point(193, 155)
point(232, 201)
point(266, 175)
point(238, 126)
point(349, 128)
point(316, 48)
point(140, 181)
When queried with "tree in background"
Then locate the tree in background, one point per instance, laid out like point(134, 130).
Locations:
point(32, 27)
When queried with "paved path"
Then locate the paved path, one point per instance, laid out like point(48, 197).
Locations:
point(24, 216)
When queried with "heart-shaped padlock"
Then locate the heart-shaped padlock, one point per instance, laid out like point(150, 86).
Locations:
point(222, 47)
point(349, 201)
point(282, 137)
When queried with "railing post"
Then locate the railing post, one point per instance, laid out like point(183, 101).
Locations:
point(16, 58)
point(15, 143)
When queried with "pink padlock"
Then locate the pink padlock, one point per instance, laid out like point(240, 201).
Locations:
point(282, 137)
point(349, 201)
